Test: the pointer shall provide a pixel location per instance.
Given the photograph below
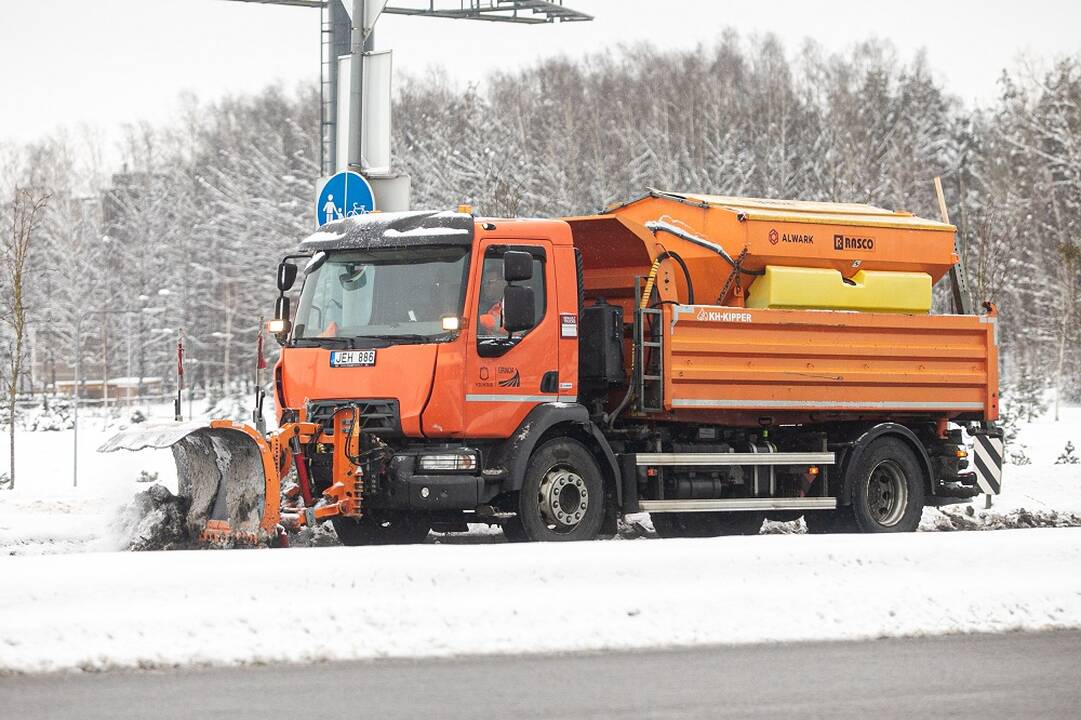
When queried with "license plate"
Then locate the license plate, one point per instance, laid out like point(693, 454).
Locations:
point(352, 358)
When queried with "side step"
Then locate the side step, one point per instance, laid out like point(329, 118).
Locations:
point(736, 504)
point(807, 458)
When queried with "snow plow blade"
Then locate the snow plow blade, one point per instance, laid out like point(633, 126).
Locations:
point(228, 472)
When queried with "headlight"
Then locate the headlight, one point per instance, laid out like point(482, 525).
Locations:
point(448, 462)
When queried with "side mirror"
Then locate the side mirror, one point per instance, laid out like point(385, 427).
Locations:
point(517, 266)
point(517, 307)
point(281, 308)
point(287, 275)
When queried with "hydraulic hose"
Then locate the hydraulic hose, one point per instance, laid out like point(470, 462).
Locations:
point(303, 476)
point(655, 227)
point(686, 273)
point(651, 279)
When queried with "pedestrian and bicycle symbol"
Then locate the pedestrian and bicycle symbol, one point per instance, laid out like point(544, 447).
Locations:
point(344, 195)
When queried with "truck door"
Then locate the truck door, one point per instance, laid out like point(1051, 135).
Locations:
point(508, 374)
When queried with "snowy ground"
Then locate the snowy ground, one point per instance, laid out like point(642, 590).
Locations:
point(151, 610)
point(103, 610)
point(47, 513)
point(1042, 491)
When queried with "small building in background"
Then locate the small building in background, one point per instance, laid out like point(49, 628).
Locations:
point(119, 389)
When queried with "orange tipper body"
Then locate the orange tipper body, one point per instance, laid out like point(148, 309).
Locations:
point(794, 366)
point(709, 360)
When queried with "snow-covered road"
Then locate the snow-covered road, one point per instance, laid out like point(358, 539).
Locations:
point(117, 610)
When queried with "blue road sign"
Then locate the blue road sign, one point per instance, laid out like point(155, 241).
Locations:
point(346, 193)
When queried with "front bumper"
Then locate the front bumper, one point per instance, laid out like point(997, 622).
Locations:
point(405, 489)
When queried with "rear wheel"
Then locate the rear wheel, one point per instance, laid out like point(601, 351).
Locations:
point(389, 529)
point(886, 495)
point(562, 497)
point(706, 524)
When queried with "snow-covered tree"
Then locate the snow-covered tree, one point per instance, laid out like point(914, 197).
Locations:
point(26, 208)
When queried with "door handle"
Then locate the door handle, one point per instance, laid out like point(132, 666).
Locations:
point(550, 382)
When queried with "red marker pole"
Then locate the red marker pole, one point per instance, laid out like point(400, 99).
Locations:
point(260, 366)
point(177, 415)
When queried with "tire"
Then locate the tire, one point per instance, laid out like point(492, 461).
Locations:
point(514, 531)
point(562, 497)
point(706, 524)
point(396, 529)
point(886, 493)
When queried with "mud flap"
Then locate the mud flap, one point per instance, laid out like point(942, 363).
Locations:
point(222, 468)
point(988, 450)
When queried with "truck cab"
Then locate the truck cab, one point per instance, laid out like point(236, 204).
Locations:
point(447, 332)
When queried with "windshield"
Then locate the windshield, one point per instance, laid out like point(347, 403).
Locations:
point(389, 293)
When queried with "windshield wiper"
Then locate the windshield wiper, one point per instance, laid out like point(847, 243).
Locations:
point(404, 338)
point(346, 342)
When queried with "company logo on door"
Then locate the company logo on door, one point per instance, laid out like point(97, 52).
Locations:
point(515, 379)
point(506, 377)
point(851, 242)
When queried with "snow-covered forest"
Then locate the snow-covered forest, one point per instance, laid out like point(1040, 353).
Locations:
point(187, 233)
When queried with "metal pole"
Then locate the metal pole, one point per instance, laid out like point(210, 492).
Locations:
point(129, 356)
point(75, 412)
point(335, 43)
point(961, 301)
point(356, 85)
point(178, 414)
point(105, 364)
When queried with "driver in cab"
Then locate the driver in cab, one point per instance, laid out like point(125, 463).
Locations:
point(491, 300)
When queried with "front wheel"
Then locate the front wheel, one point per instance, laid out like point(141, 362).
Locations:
point(562, 497)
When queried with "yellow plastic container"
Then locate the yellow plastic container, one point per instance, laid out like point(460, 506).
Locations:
point(824, 289)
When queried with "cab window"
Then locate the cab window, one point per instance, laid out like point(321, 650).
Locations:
point(492, 338)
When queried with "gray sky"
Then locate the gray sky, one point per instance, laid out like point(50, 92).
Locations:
point(65, 63)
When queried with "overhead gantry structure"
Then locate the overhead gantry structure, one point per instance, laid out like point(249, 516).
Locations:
point(347, 35)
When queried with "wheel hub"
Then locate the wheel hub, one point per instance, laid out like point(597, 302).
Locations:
point(563, 499)
point(887, 493)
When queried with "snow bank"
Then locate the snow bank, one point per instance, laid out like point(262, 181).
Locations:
point(46, 513)
point(156, 519)
point(147, 610)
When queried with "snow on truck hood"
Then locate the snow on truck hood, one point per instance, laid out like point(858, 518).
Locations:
point(375, 230)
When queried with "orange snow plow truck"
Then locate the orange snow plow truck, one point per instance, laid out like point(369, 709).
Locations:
point(712, 361)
